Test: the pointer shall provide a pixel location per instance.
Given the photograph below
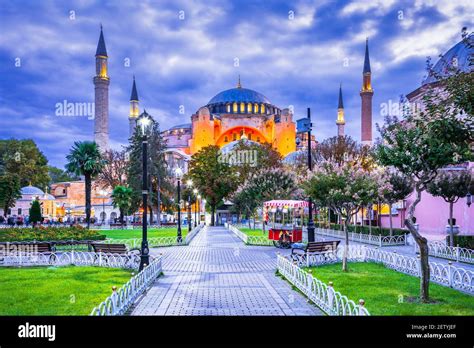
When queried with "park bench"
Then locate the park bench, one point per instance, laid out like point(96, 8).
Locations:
point(104, 250)
point(25, 249)
point(324, 247)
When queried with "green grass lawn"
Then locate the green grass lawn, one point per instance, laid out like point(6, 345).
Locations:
point(137, 232)
point(252, 232)
point(383, 288)
point(57, 290)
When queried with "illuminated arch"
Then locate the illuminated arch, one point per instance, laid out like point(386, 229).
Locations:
point(256, 134)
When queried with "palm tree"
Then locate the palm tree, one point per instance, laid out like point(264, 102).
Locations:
point(122, 199)
point(85, 159)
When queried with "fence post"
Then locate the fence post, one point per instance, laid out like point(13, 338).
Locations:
point(361, 306)
point(309, 280)
point(457, 252)
point(405, 239)
point(114, 300)
point(100, 258)
point(380, 240)
point(450, 275)
point(72, 256)
point(330, 291)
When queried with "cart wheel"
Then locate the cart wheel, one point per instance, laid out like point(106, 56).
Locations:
point(276, 243)
point(286, 244)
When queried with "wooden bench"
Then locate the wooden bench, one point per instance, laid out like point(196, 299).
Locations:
point(109, 248)
point(26, 249)
point(317, 247)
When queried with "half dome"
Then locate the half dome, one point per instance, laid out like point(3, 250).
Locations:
point(31, 190)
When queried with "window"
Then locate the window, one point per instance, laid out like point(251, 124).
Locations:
point(234, 136)
point(228, 107)
point(249, 108)
point(242, 108)
point(262, 108)
point(258, 139)
point(225, 139)
point(255, 108)
point(250, 136)
point(235, 110)
point(19, 211)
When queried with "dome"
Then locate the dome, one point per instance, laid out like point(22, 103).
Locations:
point(238, 95)
point(49, 197)
point(462, 53)
point(31, 190)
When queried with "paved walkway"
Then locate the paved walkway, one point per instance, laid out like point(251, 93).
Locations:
point(218, 275)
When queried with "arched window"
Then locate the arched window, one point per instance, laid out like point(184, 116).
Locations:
point(255, 108)
point(249, 108)
point(225, 139)
point(242, 108)
point(258, 139)
point(228, 107)
point(262, 108)
point(235, 109)
point(234, 137)
point(249, 136)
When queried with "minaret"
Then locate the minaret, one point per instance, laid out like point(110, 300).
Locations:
point(340, 115)
point(366, 94)
point(101, 84)
point(134, 112)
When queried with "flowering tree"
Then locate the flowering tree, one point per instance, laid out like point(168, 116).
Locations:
point(419, 145)
point(398, 188)
point(267, 184)
point(343, 187)
point(451, 185)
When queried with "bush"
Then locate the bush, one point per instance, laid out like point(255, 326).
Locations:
point(365, 229)
point(49, 233)
point(462, 241)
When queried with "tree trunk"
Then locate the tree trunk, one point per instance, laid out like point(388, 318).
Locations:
point(158, 200)
point(121, 217)
point(423, 245)
point(370, 218)
point(451, 235)
point(390, 218)
point(87, 178)
point(346, 248)
point(213, 209)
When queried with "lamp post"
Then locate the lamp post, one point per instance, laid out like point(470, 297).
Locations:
point(179, 174)
point(203, 205)
point(310, 201)
point(189, 184)
point(199, 208)
point(144, 122)
point(195, 191)
point(103, 195)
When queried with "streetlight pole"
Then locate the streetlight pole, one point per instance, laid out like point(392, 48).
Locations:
point(199, 207)
point(195, 191)
point(310, 201)
point(179, 174)
point(144, 120)
point(189, 184)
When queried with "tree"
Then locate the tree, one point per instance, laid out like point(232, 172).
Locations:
point(115, 168)
point(343, 187)
point(59, 175)
point(451, 185)
point(85, 159)
point(10, 191)
point(399, 187)
point(122, 199)
point(35, 213)
point(419, 145)
point(23, 158)
point(159, 180)
point(267, 184)
point(215, 179)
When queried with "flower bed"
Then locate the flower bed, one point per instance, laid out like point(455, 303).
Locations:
point(49, 234)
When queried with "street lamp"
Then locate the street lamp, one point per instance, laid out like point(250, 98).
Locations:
point(144, 122)
point(103, 195)
point(189, 184)
point(310, 201)
point(203, 204)
point(178, 172)
point(195, 191)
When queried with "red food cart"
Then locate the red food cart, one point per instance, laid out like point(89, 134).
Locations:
point(285, 221)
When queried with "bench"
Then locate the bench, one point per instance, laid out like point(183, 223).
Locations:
point(317, 248)
point(25, 249)
point(109, 248)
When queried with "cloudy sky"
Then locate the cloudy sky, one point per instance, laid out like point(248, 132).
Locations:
point(184, 52)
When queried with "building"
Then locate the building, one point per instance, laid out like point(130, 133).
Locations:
point(230, 116)
point(49, 206)
point(101, 88)
point(366, 94)
point(340, 122)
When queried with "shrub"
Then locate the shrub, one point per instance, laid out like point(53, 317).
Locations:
point(49, 233)
point(463, 241)
point(365, 229)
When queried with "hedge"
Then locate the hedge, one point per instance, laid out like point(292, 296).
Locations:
point(462, 241)
point(49, 233)
point(365, 229)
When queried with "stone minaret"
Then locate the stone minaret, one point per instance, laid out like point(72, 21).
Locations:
point(101, 84)
point(134, 112)
point(366, 94)
point(340, 115)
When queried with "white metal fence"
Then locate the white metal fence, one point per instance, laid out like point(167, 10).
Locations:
point(371, 239)
point(440, 249)
point(122, 299)
point(77, 258)
point(324, 296)
point(250, 240)
point(444, 274)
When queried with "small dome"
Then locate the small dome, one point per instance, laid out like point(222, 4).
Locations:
point(48, 197)
point(460, 57)
point(238, 95)
point(31, 190)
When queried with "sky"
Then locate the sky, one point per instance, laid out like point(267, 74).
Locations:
point(182, 53)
